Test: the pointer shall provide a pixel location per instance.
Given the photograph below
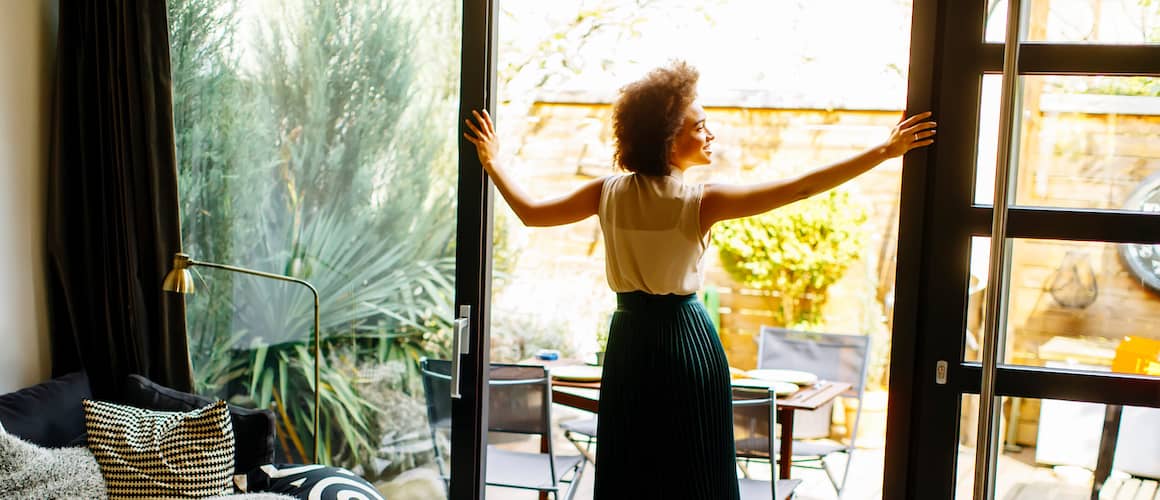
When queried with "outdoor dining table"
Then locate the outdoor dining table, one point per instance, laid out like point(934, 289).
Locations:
point(585, 395)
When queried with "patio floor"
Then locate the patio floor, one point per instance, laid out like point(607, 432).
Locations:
point(865, 471)
point(865, 477)
point(1018, 478)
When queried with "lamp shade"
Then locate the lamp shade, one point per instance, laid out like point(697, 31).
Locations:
point(179, 279)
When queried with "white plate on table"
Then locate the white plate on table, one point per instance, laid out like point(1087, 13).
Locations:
point(779, 388)
point(797, 377)
point(576, 373)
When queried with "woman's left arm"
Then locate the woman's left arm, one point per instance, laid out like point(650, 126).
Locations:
point(723, 201)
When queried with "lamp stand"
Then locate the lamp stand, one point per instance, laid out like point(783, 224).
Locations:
point(179, 280)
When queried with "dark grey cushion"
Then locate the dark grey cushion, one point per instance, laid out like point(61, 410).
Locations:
point(48, 414)
point(253, 428)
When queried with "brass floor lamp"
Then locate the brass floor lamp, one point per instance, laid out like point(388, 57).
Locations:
point(180, 280)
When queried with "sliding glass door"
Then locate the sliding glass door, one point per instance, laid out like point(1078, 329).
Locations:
point(1027, 366)
point(323, 141)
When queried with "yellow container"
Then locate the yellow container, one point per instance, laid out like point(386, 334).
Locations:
point(1137, 355)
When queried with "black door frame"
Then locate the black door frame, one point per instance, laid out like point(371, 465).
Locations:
point(473, 254)
point(937, 220)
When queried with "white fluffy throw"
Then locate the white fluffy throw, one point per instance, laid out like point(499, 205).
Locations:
point(29, 471)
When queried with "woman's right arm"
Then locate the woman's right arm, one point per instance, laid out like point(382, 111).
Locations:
point(572, 207)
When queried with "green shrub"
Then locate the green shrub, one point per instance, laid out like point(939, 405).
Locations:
point(795, 252)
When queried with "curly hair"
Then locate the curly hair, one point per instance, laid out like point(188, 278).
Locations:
point(648, 114)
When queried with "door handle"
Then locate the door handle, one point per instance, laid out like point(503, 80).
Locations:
point(994, 336)
point(460, 345)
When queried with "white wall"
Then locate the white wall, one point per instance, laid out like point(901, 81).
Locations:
point(27, 58)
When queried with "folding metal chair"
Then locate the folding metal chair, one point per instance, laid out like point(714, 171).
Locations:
point(754, 421)
point(582, 434)
point(830, 356)
point(520, 403)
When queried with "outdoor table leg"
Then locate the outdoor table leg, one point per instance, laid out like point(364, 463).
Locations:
point(1107, 450)
point(785, 455)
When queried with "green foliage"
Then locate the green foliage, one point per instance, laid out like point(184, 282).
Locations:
point(309, 149)
point(602, 336)
point(796, 252)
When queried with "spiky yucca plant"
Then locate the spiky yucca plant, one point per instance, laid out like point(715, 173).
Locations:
point(318, 158)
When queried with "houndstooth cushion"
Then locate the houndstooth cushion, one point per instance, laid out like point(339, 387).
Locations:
point(150, 454)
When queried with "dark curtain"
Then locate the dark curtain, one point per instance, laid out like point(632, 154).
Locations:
point(112, 209)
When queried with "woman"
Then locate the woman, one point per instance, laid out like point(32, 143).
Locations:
point(673, 440)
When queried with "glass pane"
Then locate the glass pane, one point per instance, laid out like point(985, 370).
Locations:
point(988, 142)
point(318, 140)
point(968, 441)
point(1086, 142)
point(1080, 21)
point(1078, 305)
point(976, 298)
point(1051, 448)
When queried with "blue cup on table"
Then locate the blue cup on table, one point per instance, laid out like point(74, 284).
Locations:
point(547, 354)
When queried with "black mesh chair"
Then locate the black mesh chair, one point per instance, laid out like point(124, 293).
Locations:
point(754, 419)
point(831, 356)
point(437, 392)
point(520, 403)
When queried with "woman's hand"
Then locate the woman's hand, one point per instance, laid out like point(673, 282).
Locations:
point(913, 132)
point(482, 134)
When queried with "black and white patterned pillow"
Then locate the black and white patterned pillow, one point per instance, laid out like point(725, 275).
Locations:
point(150, 454)
point(315, 482)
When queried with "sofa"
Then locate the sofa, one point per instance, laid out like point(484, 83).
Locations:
point(56, 441)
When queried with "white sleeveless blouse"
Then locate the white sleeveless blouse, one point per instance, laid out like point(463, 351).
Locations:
point(652, 234)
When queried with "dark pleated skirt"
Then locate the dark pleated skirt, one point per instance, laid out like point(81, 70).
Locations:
point(666, 424)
